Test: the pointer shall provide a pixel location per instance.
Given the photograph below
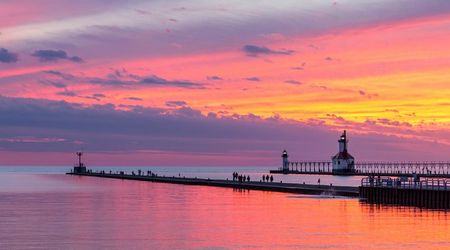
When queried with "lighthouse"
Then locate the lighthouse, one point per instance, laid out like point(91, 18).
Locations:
point(343, 162)
point(80, 167)
point(284, 156)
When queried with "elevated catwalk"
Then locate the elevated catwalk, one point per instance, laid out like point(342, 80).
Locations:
point(421, 169)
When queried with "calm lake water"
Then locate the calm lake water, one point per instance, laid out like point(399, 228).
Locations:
point(41, 208)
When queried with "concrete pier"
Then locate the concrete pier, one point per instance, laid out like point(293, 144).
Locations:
point(252, 185)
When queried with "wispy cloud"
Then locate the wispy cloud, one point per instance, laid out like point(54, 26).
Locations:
point(176, 103)
point(254, 51)
point(293, 82)
point(253, 79)
point(214, 78)
point(132, 98)
point(55, 55)
point(67, 93)
point(126, 80)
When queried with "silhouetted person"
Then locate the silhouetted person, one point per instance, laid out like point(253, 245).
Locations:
point(248, 178)
point(271, 178)
point(264, 178)
point(318, 181)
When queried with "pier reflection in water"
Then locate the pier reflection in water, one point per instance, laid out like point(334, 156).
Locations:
point(59, 211)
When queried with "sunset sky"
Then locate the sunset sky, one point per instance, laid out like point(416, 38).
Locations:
point(212, 82)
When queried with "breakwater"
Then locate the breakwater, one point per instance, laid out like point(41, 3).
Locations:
point(252, 185)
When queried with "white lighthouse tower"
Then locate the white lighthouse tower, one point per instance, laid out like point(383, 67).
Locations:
point(343, 162)
point(284, 156)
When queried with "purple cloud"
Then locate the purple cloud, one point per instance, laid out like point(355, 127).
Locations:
point(214, 78)
point(155, 80)
point(254, 51)
point(253, 79)
point(293, 82)
point(176, 103)
point(99, 95)
point(132, 98)
point(7, 57)
point(67, 93)
point(55, 55)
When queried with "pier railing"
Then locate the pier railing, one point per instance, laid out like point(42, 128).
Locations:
point(428, 168)
point(311, 166)
point(441, 169)
point(410, 183)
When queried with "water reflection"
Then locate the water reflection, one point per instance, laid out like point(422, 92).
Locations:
point(69, 212)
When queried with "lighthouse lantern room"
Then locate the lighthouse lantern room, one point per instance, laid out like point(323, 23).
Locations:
point(343, 162)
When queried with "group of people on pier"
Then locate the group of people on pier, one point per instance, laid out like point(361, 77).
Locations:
point(240, 178)
point(266, 178)
point(141, 173)
point(244, 178)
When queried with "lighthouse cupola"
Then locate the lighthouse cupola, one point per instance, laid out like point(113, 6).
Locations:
point(285, 162)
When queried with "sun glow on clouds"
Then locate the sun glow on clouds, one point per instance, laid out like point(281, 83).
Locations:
point(377, 67)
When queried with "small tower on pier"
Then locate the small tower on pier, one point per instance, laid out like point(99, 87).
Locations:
point(343, 162)
point(80, 167)
point(285, 165)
